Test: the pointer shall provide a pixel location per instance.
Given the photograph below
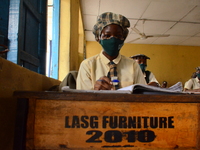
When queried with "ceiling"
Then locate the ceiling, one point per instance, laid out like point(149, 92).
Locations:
point(179, 18)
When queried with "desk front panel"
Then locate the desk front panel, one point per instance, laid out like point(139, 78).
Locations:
point(60, 124)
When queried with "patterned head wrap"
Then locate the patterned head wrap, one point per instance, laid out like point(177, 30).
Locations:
point(140, 56)
point(108, 18)
point(197, 68)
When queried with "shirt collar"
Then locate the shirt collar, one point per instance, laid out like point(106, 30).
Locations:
point(144, 74)
point(106, 60)
point(197, 79)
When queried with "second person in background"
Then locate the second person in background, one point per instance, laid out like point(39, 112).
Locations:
point(150, 78)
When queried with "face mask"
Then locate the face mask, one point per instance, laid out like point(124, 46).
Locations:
point(198, 75)
point(112, 46)
point(143, 67)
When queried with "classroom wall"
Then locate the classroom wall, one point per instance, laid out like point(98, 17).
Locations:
point(168, 62)
point(71, 37)
point(16, 78)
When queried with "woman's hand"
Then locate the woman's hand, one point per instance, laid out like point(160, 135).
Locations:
point(103, 83)
point(154, 84)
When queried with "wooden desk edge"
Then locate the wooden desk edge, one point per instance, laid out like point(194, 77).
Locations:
point(108, 97)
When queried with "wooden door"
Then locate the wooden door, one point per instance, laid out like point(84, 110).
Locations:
point(27, 34)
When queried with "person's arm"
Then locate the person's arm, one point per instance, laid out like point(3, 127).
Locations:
point(139, 76)
point(154, 84)
point(189, 86)
point(84, 81)
point(153, 81)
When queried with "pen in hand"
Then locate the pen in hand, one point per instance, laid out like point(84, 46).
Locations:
point(103, 83)
point(114, 80)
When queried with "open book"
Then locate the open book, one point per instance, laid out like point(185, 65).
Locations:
point(67, 89)
point(134, 89)
point(147, 89)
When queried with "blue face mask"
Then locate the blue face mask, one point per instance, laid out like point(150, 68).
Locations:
point(112, 46)
point(143, 67)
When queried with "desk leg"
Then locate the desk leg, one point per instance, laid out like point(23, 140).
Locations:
point(20, 124)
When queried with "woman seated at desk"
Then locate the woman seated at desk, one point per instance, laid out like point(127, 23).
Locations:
point(101, 71)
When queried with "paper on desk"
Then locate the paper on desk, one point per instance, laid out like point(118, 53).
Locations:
point(176, 88)
point(67, 89)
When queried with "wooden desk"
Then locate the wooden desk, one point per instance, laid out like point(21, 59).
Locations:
point(79, 121)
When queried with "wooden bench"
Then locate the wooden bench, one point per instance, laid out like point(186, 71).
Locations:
point(82, 121)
